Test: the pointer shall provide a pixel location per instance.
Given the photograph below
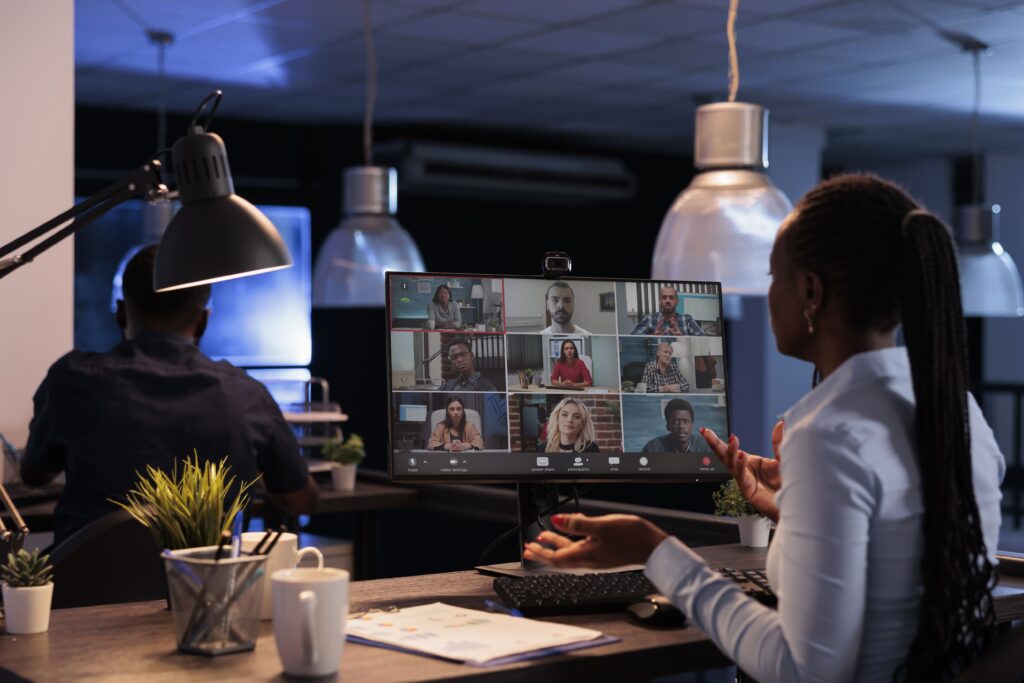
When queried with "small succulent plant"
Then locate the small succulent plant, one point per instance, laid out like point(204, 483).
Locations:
point(26, 569)
point(351, 452)
point(729, 502)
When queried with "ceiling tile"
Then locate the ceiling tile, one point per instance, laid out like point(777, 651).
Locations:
point(499, 62)
point(460, 28)
point(786, 35)
point(581, 42)
point(547, 11)
point(609, 72)
point(662, 20)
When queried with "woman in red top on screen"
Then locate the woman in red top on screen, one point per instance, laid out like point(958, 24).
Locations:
point(570, 372)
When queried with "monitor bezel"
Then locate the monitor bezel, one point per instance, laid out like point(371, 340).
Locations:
point(669, 478)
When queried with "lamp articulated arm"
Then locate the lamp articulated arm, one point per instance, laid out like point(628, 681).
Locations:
point(144, 181)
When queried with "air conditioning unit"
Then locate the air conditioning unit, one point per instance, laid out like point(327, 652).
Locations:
point(432, 168)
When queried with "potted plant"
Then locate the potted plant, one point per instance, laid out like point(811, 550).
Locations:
point(627, 386)
point(525, 378)
point(346, 457)
point(27, 591)
point(189, 509)
point(754, 527)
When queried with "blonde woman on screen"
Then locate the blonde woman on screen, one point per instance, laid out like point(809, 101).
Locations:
point(571, 429)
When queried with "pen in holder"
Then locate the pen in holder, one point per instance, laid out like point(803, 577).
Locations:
point(215, 600)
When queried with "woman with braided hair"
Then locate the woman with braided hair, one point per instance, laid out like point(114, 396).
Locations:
point(885, 484)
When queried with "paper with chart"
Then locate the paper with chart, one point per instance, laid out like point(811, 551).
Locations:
point(466, 635)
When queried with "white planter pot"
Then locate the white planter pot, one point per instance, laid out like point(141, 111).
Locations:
point(754, 530)
point(343, 477)
point(27, 610)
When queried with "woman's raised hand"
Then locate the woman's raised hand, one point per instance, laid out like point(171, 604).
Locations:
point(758, 478)
point(608, 541)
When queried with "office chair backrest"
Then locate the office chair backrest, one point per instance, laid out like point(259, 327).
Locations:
point(112, 559)
point(1000, 663)
point(588, 361)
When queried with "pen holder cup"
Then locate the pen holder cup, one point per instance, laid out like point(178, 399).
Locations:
point(215, 604)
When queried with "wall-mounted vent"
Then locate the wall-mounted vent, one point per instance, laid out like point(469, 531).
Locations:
point(469, 171)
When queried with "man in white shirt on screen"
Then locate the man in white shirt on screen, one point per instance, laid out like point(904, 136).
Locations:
point(560, 302)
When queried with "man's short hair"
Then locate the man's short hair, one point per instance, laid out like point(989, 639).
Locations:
point(457, 341)
point(557, 283)
point(177, 307)
point(679, 404)
point(664, 287)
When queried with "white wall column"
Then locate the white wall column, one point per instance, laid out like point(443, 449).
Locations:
point(36, 182)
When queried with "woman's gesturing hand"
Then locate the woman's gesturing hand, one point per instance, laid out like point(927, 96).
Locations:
point(608, 541)
point(758, 478)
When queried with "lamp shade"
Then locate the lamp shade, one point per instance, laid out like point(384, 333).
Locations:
point(722, 226)
point(990, 282)
point(476, 292)
point(369, 241)
point(216, 235)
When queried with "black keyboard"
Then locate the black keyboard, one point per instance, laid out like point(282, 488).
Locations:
point(754, 583)
point(555, 594)
point(23, 495)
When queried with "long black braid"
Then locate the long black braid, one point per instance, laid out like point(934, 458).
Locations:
point(884, 260)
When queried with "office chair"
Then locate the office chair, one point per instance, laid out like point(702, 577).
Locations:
point(112, 559)
point(633, 371)
point(1000, 663)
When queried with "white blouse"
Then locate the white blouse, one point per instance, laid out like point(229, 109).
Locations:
point(845, 560)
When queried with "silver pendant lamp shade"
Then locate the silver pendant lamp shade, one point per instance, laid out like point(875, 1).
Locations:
point(369, 241)
point(723, 225)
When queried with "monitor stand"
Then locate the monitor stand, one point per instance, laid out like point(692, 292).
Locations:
point(533, 500)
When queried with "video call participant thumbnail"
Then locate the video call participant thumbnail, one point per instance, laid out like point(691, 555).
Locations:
point(570, 429)
point(679, 418)
point(460, 354)
point(668, 321)
point(455, 432)
point(560, 301)
point(662, 375)
point(569, 371)
point(442, 312)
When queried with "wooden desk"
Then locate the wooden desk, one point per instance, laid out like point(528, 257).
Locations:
point(135, 641)
point(364, 501)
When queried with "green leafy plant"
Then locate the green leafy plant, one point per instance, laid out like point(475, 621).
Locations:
point(729, 502)
point(187, 509)
point(27, 569)
point(628, 386)
point(351, 452)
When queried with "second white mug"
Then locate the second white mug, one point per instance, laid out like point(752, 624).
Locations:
point(310, 607)
point(285, 555)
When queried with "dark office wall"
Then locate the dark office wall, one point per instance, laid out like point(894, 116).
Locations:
point(286, 163)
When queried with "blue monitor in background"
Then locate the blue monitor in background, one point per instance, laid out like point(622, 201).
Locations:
point(259, 321)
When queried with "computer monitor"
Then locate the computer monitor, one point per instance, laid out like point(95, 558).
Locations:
point(261, 321)
point(478, 366)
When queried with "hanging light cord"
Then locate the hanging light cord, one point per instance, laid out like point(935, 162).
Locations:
point(734, 60)
point(975, 154)
point(371, 84)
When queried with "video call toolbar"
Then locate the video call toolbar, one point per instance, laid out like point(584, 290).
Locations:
point(497, 377)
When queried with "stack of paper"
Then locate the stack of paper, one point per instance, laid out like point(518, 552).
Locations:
point(470, 636)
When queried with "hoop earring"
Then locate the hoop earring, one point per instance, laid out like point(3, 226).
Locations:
point(810, 322)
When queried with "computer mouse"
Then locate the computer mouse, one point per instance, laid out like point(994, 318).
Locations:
point(656, 611)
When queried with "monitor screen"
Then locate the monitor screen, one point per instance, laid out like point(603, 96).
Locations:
point(259, 321)
point(496, 378)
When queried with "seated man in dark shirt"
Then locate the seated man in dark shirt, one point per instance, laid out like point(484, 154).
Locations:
point(151, 400)
point(469, 378)
point(679, 423)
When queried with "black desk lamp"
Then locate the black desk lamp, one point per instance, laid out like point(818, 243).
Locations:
point(216, 235)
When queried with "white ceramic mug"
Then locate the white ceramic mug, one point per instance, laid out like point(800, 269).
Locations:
point(285, 555)
point(310, 607)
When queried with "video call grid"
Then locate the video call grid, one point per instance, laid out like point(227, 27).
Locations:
point(505, 332)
